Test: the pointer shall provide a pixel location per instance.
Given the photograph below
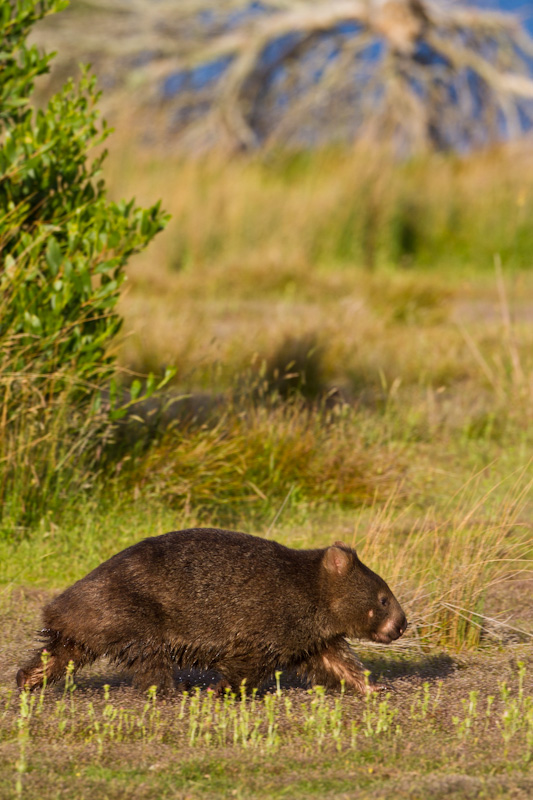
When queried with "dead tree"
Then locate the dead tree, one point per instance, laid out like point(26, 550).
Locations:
point(419, 73)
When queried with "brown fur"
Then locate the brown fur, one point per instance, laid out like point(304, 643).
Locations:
point(212, 599)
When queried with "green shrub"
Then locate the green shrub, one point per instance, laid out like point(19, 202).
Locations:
point(63, 250)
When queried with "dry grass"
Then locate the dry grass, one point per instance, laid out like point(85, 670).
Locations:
point(332, 207)
point(48, 446)
point(256, 459)
point(445, 565)
point(259, 253)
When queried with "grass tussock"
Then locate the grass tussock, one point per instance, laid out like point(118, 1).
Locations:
point(49, 446)
point(445, 566)
point(256, 459)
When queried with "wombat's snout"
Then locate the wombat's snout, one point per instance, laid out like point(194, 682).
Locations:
point(392, 629)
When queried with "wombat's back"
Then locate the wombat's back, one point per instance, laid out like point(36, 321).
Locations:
point(188, 584)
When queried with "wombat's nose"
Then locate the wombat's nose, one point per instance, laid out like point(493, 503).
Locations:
point(392, 629)
point(396, 628)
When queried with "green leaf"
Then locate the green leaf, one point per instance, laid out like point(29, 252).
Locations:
point(135, 389)
point(169, 374)
point(150, 384)
point(54, 256)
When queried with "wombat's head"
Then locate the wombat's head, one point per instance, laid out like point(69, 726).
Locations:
point(360, 602)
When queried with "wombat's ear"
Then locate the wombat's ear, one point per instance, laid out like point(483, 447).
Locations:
point(336, 560)
point(341, 544)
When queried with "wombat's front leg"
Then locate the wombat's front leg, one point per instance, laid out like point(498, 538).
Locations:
point(335, 663)
point(238, 669)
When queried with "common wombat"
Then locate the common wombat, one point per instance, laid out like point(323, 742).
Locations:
point(213, 599)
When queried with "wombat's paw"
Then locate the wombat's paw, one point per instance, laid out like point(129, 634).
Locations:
point(184, 686)
point(23, 680)
point(375, 688)
point(219, 689)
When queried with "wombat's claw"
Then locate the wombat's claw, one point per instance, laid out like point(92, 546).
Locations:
point(219, 689)
point(22, 680)
point(374, 688)
point(25, 681)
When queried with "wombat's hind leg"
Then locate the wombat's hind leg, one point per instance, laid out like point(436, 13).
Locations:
point(52, 661)
point(334, 663)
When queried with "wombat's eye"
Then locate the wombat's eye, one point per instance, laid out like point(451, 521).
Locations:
point(384, 600)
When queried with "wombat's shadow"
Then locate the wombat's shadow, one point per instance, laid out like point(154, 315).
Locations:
point(422, 668)
point(382, 669)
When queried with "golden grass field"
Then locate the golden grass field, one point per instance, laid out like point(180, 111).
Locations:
point(352, 341)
